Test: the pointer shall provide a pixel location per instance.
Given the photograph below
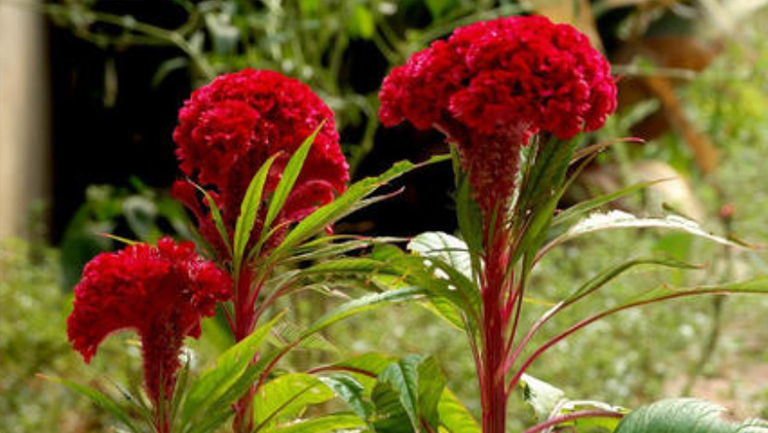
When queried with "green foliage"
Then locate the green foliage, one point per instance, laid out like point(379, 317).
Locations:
point(33, 340)
point(138, 212)
point(210, 394)
point(685, 415)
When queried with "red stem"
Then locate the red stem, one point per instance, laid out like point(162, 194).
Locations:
point(573, 416)
point(244, 322)
point(493, 392)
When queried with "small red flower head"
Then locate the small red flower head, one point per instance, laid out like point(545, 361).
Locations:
point(160, 292)
point(492, 85)
point(230, 127)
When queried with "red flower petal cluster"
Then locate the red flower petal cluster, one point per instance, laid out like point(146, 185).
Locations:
point(160, 292)
point(230, 127)
point(497, 81)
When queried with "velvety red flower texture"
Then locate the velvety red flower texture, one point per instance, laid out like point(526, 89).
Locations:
point(160, 292)
point(494, 84)
point(230, 127)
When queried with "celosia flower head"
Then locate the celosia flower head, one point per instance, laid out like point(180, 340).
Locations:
point(494, 84)
point(230, 127)
point(160, 292)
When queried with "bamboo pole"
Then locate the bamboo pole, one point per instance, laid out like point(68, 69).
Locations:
point(24, 118)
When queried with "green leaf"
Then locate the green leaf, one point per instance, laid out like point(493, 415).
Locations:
point(216, 216)
point(372, 363)
point(396, 396)
point(454, 417)
point(450, 249)
point(343, 205)
point(215, 381)
point(685, 416)
point(362, 304)
point(541, 189)
point(468, 213)
point(541, 396)
point(97, 397)
point(408, 392)
point(249, 209)
point(618, 220)
point(362, 23)
point(288, 179)
point(350, 390)
point(286, 397)
point(327, 424)
point(608, 275)
point(580, 209)
point(430, 391)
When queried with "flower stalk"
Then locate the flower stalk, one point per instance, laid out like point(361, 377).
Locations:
point(491, 88)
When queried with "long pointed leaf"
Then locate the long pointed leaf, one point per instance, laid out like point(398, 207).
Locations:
point(583, 208)
point(362, 304)
point(619, 220)
point(288, 179)
point(97, 397)
point(216, 216)
point(249, 209)
point(214, 382)
point(328, 214)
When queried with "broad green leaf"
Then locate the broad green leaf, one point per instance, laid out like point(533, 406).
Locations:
point(685, 416)
point(618, 220)
point(396, 396)
point(454, 417)
point(352, 392)
point(430, 391)
point(450, 249)
point(97, 397)
point(408, 392)
point(326, 424)
point(580, 209)
point(288, 179)
point(249, 209)
point(286, 397)
point(541, 396)
point(215, 381)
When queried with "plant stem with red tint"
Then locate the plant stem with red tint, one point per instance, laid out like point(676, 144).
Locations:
point(246, 293)
point(495, 284)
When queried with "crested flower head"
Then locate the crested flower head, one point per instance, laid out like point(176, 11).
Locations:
point(494, 84)
point(160, 292)
point(230, 127)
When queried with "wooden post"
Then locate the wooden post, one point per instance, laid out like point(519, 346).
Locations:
point(24, 115)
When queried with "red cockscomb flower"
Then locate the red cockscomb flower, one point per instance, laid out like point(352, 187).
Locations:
point(230, 127)
point(160, 292)
point(492, 85)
